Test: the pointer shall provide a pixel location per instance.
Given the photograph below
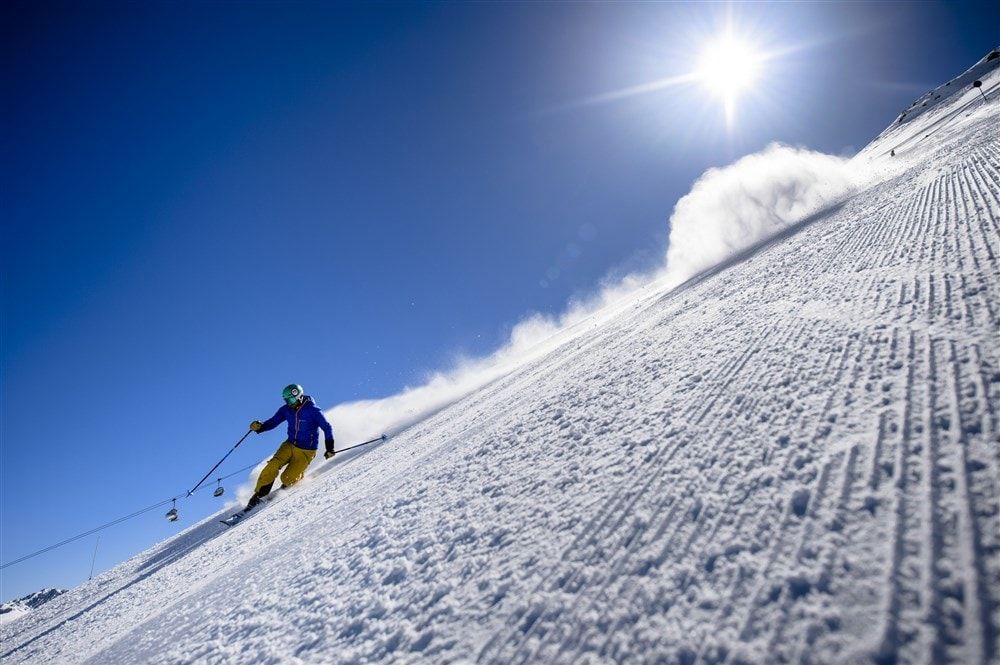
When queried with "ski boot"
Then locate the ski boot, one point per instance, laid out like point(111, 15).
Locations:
point(256, 498)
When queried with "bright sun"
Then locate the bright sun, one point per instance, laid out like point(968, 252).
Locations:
point(728, 66)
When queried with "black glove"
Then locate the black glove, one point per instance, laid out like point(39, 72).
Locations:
point(256, 425)
point(329, 449)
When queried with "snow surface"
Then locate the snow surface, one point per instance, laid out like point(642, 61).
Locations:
point(12, 612)
point(16, 609)
point(793, 457)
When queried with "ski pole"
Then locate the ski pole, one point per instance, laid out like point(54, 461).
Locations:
point(358, 445)
point(219, 462)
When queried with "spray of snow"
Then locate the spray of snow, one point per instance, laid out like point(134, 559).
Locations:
point(727, 210)
point(730, 209)
point(531, 338)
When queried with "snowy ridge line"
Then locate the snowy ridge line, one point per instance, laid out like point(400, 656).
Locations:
point(927, 114)
point(649, 290)
point(929, 129)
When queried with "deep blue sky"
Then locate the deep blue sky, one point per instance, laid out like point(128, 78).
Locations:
point(202, 203)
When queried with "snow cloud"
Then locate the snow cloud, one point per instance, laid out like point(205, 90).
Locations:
point(730, 209)
point(727, 210)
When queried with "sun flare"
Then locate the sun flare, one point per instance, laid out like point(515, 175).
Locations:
point(729, 66)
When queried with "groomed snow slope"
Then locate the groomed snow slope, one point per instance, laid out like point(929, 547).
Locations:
point(793, 458)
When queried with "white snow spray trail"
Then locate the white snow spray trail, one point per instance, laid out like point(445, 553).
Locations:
point(727, 210)
point(731, 208)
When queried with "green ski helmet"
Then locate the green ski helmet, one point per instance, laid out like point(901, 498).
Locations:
point(293, 394)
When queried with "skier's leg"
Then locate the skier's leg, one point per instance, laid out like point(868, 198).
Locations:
point(297, 466)
point(280, 458)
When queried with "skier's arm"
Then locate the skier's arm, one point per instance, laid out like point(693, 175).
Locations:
point(328, 432)
point(273, 421)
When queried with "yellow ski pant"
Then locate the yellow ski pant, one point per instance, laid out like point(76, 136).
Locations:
point(294, 459)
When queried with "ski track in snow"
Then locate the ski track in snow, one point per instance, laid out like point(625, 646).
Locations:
point(794, 459)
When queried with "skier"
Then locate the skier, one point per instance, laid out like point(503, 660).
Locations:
point(295, 454)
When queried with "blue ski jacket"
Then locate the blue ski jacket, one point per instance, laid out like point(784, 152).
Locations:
point(303, 424)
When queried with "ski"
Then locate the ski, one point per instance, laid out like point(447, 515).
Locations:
point(236, 518)
point(242, 515)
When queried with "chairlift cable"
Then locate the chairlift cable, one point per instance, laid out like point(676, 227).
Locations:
point(154, 506)
point(87, 533)
point(242, 439)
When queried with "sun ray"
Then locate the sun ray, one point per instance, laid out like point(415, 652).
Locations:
point(632, 91)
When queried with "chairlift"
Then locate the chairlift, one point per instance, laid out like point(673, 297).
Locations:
point(172, 513)
point(220, 490)
point(978, 85)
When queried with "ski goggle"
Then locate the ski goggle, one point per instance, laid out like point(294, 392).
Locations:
point(292, 395)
